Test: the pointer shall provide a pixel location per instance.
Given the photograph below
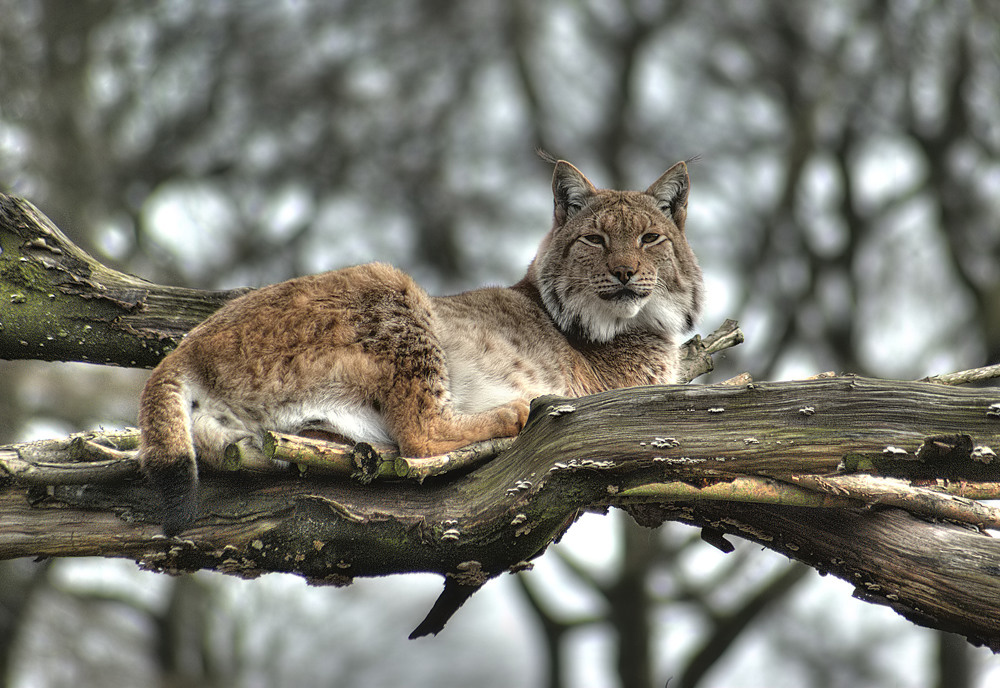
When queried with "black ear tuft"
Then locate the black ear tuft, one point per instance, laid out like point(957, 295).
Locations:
point(671, 193)
point(546, 156)
point(570, 191)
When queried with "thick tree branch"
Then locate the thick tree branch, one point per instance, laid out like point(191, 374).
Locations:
point(616, 448)
point(57, 303)
point(829, 471)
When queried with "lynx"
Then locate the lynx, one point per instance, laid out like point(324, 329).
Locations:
point(366, 354)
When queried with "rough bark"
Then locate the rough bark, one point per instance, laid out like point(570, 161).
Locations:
point(60, 304)
point(869, 480)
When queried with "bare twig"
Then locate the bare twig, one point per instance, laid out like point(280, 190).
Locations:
point(726, 336)
point(366, 461)
point(920, 500)
point(89, 457)
point(966, 376)
point(696, 353)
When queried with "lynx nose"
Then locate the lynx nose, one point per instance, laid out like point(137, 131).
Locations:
point(623, 272)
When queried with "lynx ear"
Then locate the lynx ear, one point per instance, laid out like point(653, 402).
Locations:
point(671, 193)
point(570, 190)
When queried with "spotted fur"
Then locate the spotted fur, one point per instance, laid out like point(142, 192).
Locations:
point(366, 354)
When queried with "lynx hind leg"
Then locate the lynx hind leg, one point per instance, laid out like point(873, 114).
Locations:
point(423, 420)
point(406, 365)
point(217, 430)
point(420, 414)
point(502, 421)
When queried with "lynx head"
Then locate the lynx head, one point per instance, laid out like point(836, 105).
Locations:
point(618, 261)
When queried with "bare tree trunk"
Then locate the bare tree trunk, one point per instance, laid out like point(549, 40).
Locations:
point(19, 581)
point(629, 608)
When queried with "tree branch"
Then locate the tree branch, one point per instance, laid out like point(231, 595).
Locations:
point(60, 304)
point(680, 452)
point(728, 458)
point(966, 376)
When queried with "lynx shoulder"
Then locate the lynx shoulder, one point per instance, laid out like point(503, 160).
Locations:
point(366, 354)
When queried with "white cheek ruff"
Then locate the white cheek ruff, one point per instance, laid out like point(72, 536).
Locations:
point(666, 316)
point(597, 319)
point(602, 320)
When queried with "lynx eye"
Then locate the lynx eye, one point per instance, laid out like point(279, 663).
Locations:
point(651, 239)
point(593, 240)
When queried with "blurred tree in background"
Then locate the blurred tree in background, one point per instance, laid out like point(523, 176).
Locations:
point(845, 209)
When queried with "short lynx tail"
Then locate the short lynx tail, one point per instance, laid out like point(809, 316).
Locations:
point(178, 486)
point(166, 450)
